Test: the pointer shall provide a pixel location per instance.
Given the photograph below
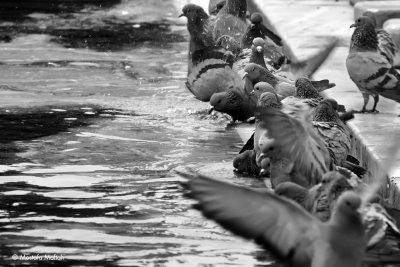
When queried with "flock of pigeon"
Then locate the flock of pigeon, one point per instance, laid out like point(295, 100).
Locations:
point(321, 212)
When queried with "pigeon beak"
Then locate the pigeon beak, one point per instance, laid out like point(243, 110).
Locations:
point(259, 49)
point(252, 26)
point(263, 172)
point(244, 75)
point(210, 110)
point(252, 92)
point(353, 25)
point(181, 15)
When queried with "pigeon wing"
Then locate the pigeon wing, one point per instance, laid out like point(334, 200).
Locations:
point(386, 45)
point(280, 225)
point(296, 139)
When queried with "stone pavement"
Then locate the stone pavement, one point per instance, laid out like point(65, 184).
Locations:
point(306, 27)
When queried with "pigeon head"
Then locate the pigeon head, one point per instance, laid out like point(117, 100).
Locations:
point(363, 21)
point(268, 100)
point(253, 71)
point(229, 102)
point(349, 202)
point(245, 163)
point(258, 45)
point(291, 191)
point(364, 36)
point(262, 87)
point(265, 165)
point(325, 111)
point(305, 89)
point(193, 12)
point(256, 18)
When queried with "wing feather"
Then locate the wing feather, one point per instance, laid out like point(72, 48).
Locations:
point(297, 141)
point(280, 225)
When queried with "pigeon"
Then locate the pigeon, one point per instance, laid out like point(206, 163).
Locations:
point(235, 102)
point(334, 132)
point(257, 52)
point(246, 163)
point(368, 66)
point(385, 41)
point(282, 226)
point(257, 30)
point(231, 20)
point(214, 6)
point(328, 124)
point(199, 27)
point(293, 139)
point(212, 73)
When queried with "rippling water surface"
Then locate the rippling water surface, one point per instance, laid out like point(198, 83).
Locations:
point(90, 138)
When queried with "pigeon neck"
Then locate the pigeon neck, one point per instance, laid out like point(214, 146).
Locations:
point(258, 58)
point(365, 38)
point(237, 8)
point(325, 114)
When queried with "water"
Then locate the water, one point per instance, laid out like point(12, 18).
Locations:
point(91, 131)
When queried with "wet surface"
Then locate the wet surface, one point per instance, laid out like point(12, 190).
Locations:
point(90, 136)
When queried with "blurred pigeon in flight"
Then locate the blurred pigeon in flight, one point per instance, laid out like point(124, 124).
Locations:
point(282, 226)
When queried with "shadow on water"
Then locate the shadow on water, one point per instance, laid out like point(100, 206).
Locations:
point(19, 124)
point(111, 37)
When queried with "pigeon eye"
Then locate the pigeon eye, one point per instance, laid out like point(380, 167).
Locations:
point(254, 69)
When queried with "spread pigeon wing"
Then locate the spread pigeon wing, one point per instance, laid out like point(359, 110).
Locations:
point(280, 225)
point(294, 138)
